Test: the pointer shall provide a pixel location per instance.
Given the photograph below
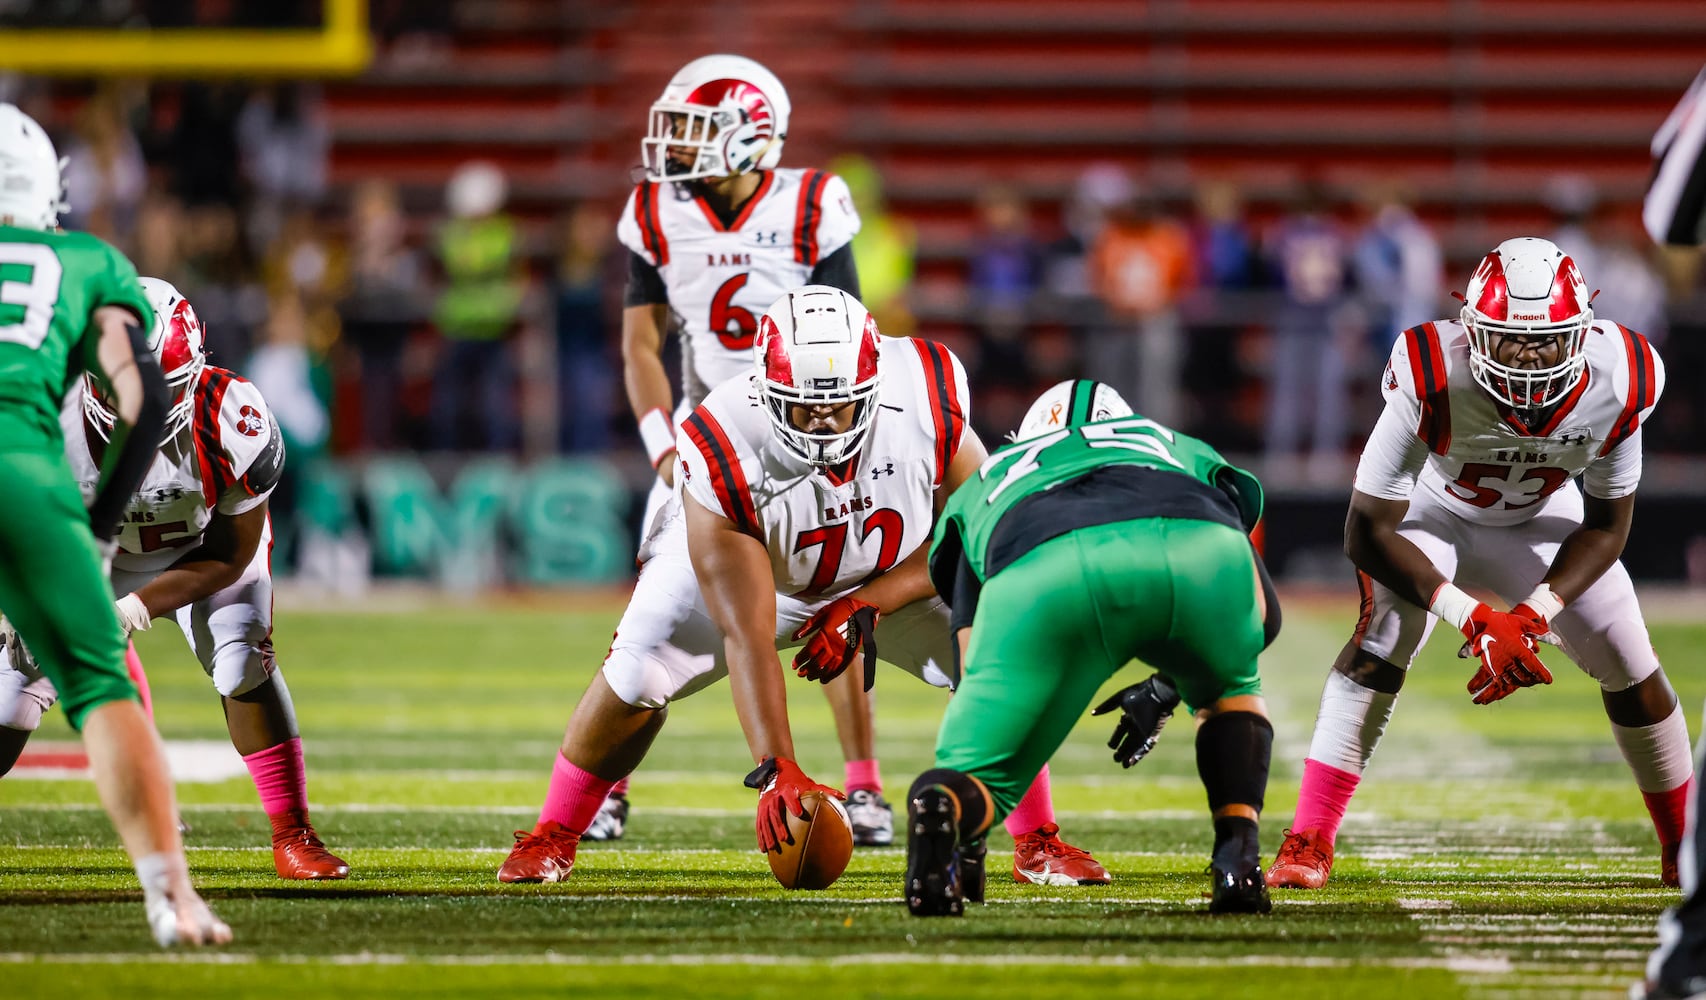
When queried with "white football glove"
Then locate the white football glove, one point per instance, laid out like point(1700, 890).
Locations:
point(133, 614)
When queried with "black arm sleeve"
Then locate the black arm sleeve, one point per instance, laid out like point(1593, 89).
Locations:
point(967, 589)
point(838, 271)
point(1271, 623)
point(132, 448)
point(645, 284)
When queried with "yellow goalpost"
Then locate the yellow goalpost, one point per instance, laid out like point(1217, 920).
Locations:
point(341, 47)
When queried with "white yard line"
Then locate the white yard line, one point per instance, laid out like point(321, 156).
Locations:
point(1455, 964)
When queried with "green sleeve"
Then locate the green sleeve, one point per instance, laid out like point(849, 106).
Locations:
point(114, 284)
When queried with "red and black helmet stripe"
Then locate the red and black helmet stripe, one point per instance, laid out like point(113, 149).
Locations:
point(1643, 388)
point(945, 410)
point(651, 232)
point(217, 474)
point(727, 478)
point(1427, 367)
point(807, 216)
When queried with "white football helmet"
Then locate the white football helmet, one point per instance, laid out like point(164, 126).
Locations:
point(1068, 404)
point(179, 343)
point(1527, 287)
point(32, 185)
point(728, 112)
point(817, 346)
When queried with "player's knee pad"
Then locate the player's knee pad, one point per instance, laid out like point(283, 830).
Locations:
point(1619, 658)
point(1233, 751)
point(23, 699)
point(640, 677)
point(239, 667)
point(974, 801)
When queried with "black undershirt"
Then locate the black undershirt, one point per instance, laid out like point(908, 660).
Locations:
point(646, 286)
point(1105, 495)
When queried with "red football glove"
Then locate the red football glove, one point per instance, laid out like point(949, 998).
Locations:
point(781, 783)
point(837, 633)
point(1505, 644)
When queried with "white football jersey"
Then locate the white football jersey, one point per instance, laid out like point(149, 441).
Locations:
point(1442, 433)
point(228, 459)
point(828, 533)
point(721, 280)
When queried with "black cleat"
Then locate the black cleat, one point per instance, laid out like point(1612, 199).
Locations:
point(971, 871)
point(1239, 893)
point(932, 855)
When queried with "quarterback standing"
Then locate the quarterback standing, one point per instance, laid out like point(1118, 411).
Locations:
point(716, 232)
point(68, 304)
point(808, 492)
point(195, 543)
point(1469, 479)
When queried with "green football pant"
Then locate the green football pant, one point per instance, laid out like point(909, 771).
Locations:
point(51, 587)
point(1180, 595)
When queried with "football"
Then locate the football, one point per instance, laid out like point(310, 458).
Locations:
point(823, 844)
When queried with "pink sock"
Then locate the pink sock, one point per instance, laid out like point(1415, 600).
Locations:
point(621, 787)
point(1669, 811)
point(1035, 810)
point(133, 667)
point(864, 774)
point(1322, 800)
point(280, 777)
point(574, 796)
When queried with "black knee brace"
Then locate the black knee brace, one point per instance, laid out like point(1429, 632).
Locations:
point(974, 803)
point(1233, 750)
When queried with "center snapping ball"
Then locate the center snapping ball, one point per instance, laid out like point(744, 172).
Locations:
point(823, 844)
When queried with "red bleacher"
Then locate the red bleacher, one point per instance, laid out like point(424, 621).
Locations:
point(1472, 105)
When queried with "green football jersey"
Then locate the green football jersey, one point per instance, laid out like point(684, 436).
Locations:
point(1035, 466)
point(50, 286)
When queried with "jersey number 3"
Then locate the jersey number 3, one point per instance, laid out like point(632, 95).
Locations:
point(38, 294)
point(733, 325)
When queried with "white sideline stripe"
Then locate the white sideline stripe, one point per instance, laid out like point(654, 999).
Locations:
point(197, 761)
point(1485, 966)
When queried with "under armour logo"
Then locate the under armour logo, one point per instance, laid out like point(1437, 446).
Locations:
point(887, 470)
point(771, 238)
point(1573, 438)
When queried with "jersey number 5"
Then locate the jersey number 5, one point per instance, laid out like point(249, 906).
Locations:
point(733, 325)
point(1467, 487)
point(38, 294)
point(833, 538)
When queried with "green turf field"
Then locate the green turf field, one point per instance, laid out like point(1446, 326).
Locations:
point(1497, 851)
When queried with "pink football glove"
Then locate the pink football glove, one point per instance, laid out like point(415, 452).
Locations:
point(839, 631)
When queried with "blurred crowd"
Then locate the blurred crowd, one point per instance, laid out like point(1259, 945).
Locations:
point(382, 319)
point(1266, 333)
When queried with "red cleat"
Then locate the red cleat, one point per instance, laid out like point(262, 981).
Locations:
point(545, 855)
point(1042, 858)
point(297, 852)
point(1668, 874)
point(1304, 861)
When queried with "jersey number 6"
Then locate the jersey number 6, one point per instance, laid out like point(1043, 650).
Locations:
point(732, 324)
